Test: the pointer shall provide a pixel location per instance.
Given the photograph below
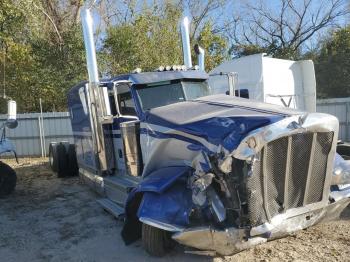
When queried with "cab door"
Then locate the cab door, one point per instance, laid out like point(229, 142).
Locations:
point(125, 112)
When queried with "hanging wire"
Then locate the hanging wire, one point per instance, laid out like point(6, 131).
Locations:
point(4, 87)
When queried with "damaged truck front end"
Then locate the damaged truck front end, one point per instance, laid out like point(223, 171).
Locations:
point(213, 172)
point(237, 182)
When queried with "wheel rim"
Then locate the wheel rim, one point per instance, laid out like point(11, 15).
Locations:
point(50, 159)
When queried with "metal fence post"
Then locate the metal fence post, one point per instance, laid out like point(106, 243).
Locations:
point(347, 121)
point(40, 137)
point(42, 129)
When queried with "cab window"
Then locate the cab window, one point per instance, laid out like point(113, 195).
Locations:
point(126, 104)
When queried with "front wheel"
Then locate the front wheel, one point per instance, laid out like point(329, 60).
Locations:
point(8, 179)
point(156, 242)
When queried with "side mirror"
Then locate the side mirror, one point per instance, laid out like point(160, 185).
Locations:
point(11, 121)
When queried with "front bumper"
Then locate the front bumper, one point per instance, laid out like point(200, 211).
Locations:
point(232, 240)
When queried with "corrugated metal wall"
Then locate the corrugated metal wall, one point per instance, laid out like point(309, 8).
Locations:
point(26, 137)
point(57, 127)
point(339, 107)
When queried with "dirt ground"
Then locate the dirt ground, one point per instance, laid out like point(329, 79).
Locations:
point(52, 219)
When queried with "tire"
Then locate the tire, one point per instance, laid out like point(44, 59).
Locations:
point(62, 163)
point(156, 242)
point(8, 179)
point(53, 161)
point(72, 161)
point(344, 150)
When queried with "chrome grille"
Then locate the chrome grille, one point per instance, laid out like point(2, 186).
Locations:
point(276, 164)
point(319, 166)
point(255, 193)
point(299, 165)
point(289, 172)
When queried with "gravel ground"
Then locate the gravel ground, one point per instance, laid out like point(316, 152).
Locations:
point(52, 219)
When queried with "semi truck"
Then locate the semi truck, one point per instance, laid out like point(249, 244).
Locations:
point(271, 80)
point(216, 173)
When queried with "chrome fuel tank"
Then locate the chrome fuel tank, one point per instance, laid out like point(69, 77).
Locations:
point(130, 133)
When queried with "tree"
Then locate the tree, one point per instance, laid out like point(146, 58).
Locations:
point(284, 29)
point(146, 42)
point(15, 51)
point(214, 45)
point(152, 39)
point(332, 65)
point(41, 51)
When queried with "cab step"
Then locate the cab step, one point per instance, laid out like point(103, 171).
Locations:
point(118, 187)
point(111, 207)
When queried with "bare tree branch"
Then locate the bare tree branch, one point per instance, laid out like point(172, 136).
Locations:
point(291, 26)
point(51, 20)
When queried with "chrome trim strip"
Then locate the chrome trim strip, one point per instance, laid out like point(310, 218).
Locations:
point(330, 165)
point(286, 177)
point(264, 173)
point(312, 154)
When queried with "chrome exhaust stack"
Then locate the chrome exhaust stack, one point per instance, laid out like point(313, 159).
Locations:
point(91, 61)
point(200, 53)
point(99, 106)
point(186, 47)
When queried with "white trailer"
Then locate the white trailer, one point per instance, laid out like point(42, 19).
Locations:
point(270, 80)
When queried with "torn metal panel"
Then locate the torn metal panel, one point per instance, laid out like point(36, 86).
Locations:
point(217, 205)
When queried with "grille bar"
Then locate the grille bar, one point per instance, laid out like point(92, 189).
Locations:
point(265, 194)
point(286, 179)
point(311, 164)
point(318, 186)
point(299, 166)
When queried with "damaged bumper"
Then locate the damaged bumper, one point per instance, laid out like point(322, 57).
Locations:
point(232, 240)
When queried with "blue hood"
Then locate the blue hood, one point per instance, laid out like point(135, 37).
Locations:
point(219, 119)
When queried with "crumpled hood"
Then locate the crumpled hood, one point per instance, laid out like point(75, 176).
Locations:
point(180, 134)
point(219, 119)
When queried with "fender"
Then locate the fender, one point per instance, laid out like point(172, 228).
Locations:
point(162, 200)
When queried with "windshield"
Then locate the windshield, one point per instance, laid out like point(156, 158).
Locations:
point(166, 93)
point(195, 90)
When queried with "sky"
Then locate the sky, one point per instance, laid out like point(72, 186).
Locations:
point(238, 8)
